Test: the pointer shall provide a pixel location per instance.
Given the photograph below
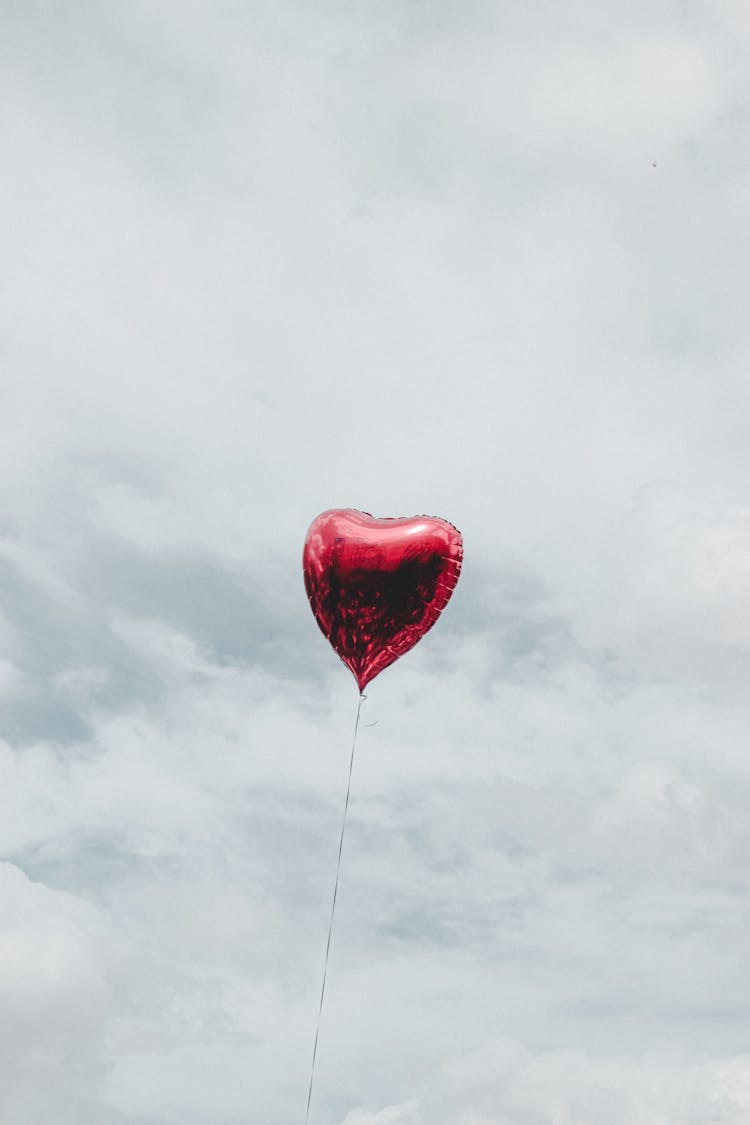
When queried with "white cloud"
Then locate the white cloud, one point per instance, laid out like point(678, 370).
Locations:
point(57, 958)
point(678, 591)
point(505, 1084)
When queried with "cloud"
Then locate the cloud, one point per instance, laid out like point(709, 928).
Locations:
point(482, 261)
point(681, 577)
point(505, 1084)
point(58, 974)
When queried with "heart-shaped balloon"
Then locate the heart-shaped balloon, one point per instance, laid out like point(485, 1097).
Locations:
point(377, 585)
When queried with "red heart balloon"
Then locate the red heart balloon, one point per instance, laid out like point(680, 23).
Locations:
point(376, 586)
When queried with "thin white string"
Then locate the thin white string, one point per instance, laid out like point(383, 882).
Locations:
point(362, 698)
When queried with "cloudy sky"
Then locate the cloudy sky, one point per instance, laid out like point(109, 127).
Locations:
point(484, 260)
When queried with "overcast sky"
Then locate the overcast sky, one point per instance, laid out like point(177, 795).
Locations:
point(482, 260)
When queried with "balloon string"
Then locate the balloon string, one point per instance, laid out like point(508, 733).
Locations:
point(362, 698)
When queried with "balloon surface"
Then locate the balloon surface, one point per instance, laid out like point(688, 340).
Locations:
point(377, 585)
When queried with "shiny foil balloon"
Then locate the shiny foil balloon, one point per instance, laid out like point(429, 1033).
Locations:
point(377, 585)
